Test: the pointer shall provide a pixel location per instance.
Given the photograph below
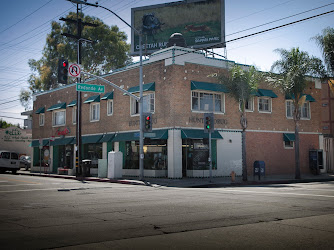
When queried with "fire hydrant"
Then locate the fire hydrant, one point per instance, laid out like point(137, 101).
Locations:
point(232, 176)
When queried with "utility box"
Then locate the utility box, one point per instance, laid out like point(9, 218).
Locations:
point(259, 168)
point(102, 171)
point(316, 160)
point(115, 165)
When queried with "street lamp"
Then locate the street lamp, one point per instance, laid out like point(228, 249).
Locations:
point(141, 125)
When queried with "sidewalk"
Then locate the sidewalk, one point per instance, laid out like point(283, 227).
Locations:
point(198, 182)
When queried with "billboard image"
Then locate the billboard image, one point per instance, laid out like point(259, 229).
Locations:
point(200, 22)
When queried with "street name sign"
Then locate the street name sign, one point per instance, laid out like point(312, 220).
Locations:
point(90, 88)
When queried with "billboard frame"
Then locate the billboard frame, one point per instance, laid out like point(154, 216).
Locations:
point(148, 50)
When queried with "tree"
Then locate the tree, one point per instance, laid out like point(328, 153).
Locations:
point(25, 98)
point(241, 85)
point(292, 70)
point(326, 43)
point(110, 51)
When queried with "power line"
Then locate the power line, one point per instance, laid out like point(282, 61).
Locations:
point(11, 117)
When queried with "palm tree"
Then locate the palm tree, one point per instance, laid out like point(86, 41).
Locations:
point(292, 70)
point(326, 43)
point(241, 85)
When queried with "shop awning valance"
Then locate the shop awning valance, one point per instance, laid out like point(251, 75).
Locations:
point(146, 87)
point(91, 139)
point(309, 98)
point(198, 134)
point(161, 134)
point(107, 138)
point(215, 87)
point(35, 143)
point(40, 110)
point(108, 96)
point(94, 98)
point(266, 93)
point(289, 137)
point(62, 141)
point(57, 106)
point(72, 103)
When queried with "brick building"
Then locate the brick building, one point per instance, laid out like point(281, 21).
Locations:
point(179, 86)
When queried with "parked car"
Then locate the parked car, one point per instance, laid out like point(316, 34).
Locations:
point(25, 162)
point(9, 161)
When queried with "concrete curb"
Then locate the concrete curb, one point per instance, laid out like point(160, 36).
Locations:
point(184, 185)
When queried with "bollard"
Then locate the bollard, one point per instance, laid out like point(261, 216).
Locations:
point(232, 176)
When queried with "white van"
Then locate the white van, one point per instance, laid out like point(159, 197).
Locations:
point(9, 161)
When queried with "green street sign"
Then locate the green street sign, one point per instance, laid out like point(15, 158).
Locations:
point(90, 88)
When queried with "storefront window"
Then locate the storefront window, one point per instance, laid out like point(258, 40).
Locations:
point(155, 155)
point(65, 156)
point(93, 152)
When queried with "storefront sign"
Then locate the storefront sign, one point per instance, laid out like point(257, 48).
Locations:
point(63, 132)
point(15, 135)
point(193, 119)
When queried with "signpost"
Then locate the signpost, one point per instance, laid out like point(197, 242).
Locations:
point(90, 88)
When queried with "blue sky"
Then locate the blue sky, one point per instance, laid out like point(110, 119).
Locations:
point(25, 24)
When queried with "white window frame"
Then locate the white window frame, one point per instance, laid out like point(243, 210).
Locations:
point(74, 115)
point(287, 146)
point(251, 102)
point(91, 115)
point(269, 103)
point(54, 113)
point(110, 103)
point(134, 104)
point(290, 102)
point(41, 119)
point(215, 94)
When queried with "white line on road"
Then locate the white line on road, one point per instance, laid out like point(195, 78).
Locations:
point(275, 193)
point(42, 189)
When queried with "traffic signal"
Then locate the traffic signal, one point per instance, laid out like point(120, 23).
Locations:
point(147, 122)
point(208, 122)
point(62, 71)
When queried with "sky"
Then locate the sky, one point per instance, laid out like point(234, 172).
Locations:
point(24, 26)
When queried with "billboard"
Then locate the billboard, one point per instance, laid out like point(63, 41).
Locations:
point(201, 22)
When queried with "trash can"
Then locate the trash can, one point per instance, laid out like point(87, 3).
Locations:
point(86, 164)
point(259, 168)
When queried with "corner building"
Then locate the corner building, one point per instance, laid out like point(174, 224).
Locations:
point(180, 85)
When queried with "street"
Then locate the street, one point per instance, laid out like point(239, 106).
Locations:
point(48, 213)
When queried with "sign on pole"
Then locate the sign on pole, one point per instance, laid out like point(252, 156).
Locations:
point(74, 70)
point(90, 88)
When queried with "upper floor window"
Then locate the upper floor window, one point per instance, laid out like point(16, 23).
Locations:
point(109, 107)
point(148, 104)
point(94, 111)
point(41, 119)
point(265, 104)
point(59, 118)
point(74, 115)
point(305, 112)
point(249, 105)
point(207, 102)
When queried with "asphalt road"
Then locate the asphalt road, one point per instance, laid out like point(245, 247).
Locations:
point(48, 213)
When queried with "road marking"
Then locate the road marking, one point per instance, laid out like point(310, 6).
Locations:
point(15, 185)
point(261, 192)
point(41, 189)
point(19, 181)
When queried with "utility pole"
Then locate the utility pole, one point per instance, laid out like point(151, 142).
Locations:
point(79, 168)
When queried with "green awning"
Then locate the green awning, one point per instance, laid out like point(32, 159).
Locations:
point(91, 139)
point(216, 87)
point(40, 110)
point(108, 96)
point(161, 134)
point(62, 141)
point(309, 98)
point(57, 106)
point(146, 87)
point(107, 138)
point(266, 92)
point(94, 98)
point(72, 103)
point(289, 137)
point(198, 134)
point(35, 143)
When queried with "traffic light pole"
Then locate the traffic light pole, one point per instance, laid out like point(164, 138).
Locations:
point(210, 156)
